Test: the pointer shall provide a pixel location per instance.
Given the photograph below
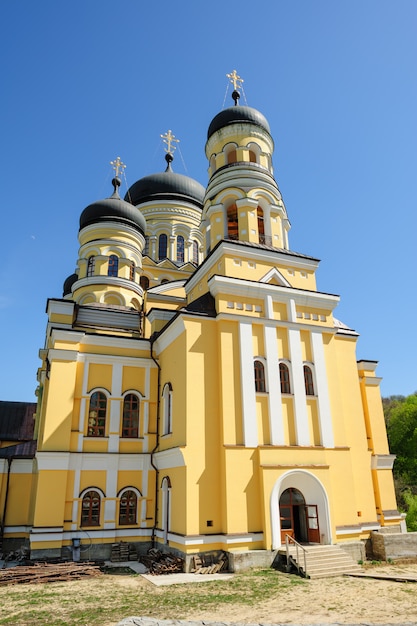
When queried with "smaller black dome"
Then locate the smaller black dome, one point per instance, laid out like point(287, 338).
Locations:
point(113, 209)
point(69, 283)
point(236, 115)
point(166, 186)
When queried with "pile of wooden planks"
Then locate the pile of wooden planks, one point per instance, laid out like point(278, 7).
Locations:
point(210, 563)
point(122, 551)
point(159, 563)
point(47, 573)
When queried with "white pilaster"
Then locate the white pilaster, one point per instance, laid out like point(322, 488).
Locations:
point(247, 381)
point(269, 307)
point(112, 468)
point(276, 425)
point(325, 417)
point(300, 403)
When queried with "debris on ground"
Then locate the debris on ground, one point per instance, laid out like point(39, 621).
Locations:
point(159, 562)
point(210, 563)
point(47, 573)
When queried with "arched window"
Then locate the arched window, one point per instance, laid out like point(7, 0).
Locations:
point(91, 265)
point(252, 156)
point(162, 247)
point(144, 282)
point(90, 509)
point(113, 265)
point(132, 271)
point(284, 378)
point(180, 249)
point(130, 425)
point(232, 156)
point(259, 376)
point(232, 222)
point(261, 225)
point(167, 409)
point(128, 507)
point(308, 381)
point(195, 252)
point(97, 415)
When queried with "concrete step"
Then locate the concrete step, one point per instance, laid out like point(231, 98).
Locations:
point(323, 561)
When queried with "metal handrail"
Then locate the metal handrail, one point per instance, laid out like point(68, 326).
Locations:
point(288, 540)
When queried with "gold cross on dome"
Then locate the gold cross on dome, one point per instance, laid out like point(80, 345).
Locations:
point(117, 165)
point(169, 139)
point(235, 79)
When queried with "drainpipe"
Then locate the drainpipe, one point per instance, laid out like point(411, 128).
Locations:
point(9, 465)
point(158, 404)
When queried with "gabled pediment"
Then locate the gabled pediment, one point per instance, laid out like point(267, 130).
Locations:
point(274, 277)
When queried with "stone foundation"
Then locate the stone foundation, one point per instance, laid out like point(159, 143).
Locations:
point(394, 546)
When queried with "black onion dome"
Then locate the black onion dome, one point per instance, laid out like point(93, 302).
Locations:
point(68, 283)
point(113, 209)
point(237, 115)
point(166, 186)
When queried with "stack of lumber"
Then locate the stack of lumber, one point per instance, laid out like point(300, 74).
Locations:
point(159, 563)
point(47, 573)
point(122, 552)
point(209, 563)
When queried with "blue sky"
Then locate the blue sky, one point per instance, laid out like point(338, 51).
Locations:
point(86, 81)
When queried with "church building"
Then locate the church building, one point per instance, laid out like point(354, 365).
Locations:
point(197, 392)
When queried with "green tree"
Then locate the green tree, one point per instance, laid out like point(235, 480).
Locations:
point(401, 419)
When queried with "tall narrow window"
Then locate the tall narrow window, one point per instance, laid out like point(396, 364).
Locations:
point(146, 248)
point(130, 426)
point(132, 271)
point(232, 156)
point(195, 252)
point(97, 415)
point(180, 249)
point(90, 509)
point(308, 381)
point(252, 156)
point(261, 225)
point(144, 282)
point(259, 376)
point(167, 413)
point(128, 508)
point(91, 265)
point(113, 265)
point(162, 246)
point(232, 222)
point(284, 378)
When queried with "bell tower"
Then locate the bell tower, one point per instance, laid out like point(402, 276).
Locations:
point(242, 200)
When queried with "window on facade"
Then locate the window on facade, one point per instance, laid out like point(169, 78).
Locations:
point(91, 265)
point(284, 378)
point(167, 414)
point(162, 246)
point(180, 249)
point(144, 282)
point(259, 376)
point(128, 507)
point(308, 381)
point(130, 425)
point(90, 509)
point(97, 415)
point(146, 248)
point(232, 222)
point(132, 271)
point(261, 225)
point(232, 156)
point(195, 252)
point(113, 265)
point(252, 156)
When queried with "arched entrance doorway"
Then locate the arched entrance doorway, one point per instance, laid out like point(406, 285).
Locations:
point(298, 519)
point(299, 503)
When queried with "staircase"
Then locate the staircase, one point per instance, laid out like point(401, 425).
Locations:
point(321, 561)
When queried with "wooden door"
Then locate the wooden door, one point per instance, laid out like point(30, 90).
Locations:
point(312, 518)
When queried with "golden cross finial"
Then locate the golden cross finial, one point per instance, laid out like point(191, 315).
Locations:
point(235, 80)
point(117, 165)
point(169, 139)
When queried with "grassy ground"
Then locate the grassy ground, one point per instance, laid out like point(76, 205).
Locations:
point(258, 596)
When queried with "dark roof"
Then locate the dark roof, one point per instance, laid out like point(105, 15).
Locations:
point(26, 450)
point(203, 304)
point(68, 283)
point(166, 186)
point(113, 209)
point(17, 421)
point(236, 115)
